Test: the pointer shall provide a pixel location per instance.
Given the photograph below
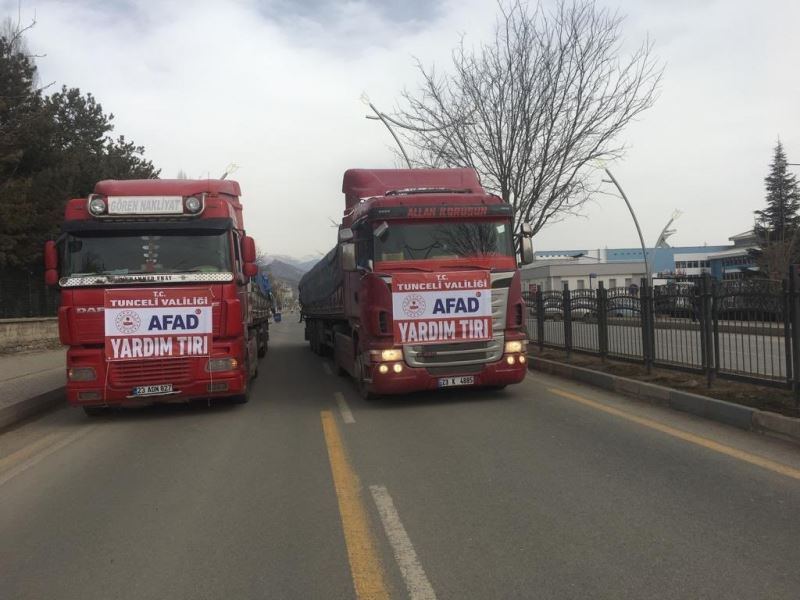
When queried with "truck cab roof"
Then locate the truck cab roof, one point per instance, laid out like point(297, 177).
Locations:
point(417, 193)
point(367, 183)
point(165, 187)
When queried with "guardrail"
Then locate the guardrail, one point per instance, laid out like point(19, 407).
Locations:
point(742, 329)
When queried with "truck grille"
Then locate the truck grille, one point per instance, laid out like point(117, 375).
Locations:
point(461, 353)
point(167, 370)
point(467, 353)
point(456, 370)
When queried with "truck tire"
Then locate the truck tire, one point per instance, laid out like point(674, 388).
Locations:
point(361, 384)
point(313, 339)
point(263, 342)
point(242, 398)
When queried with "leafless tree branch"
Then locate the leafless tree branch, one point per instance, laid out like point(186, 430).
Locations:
point(534, 108)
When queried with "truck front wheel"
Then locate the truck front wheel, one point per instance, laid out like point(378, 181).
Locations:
point(361, 380)
point(242, 398)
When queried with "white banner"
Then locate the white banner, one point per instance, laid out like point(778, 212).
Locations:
point(122, 322)
point(441, 304)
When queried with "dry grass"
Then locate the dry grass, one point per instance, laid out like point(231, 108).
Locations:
point(779, 400)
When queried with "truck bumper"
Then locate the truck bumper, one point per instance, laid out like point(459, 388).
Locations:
point(415, 379)
point(115, 382)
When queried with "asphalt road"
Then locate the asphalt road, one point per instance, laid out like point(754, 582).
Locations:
point(545, 490)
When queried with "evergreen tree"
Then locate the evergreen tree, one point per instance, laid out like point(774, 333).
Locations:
point(780, 219)
point(52, 148)
point(778, 224)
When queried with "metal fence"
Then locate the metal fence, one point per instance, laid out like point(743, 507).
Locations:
point(747, 329)
point(23, 293)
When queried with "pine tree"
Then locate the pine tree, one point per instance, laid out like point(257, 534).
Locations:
point(778, 224)
point(780, 219)
point(52, 148)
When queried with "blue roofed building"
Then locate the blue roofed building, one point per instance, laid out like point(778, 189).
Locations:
point(683, 263)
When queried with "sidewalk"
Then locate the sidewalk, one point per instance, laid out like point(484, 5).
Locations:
point(29, 382)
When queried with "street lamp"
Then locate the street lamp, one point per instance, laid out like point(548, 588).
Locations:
point(386, 120)
point(380, 116)
point(633, 216)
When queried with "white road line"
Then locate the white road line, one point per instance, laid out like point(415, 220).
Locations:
point(327, 368)
point(419, 588)
point(33, 460)
point(347, 415)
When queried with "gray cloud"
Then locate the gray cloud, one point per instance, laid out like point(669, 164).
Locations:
point(208, 83)
point(401, 12)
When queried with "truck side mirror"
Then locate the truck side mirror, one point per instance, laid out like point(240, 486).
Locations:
point(349, 256)
point(527, 230)
point(50, 263)
point(345, 235)
point(248, 249)
point(249, 268)
point(526, 250)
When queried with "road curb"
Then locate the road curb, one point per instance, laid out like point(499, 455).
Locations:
point(743, 417)
point(10, 415)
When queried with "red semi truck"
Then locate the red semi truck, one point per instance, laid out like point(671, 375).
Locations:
point(422, 290)
point(156, 303)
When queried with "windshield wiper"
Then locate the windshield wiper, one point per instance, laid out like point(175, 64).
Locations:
point(199, 270)
point(413, 269)
point(463, 266)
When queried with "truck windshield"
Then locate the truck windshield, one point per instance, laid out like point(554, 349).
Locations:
point(420, 241)
point(125, 254)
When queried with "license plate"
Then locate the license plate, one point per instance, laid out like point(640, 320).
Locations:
point(454, 381)
point(151, 390)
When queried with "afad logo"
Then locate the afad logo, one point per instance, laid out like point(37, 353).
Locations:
point(127, 322)
point(414, 305)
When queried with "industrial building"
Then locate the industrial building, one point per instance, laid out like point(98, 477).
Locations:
point(623, 266)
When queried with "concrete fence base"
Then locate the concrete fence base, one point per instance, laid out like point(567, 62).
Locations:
point(28, 334)
point(737, 415)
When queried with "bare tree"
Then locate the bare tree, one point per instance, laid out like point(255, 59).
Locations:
point(534, 108)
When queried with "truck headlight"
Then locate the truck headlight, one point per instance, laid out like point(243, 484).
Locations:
point(516, 346)
point(390, 355)
point(193, 204)
point(97, 206)
point(81, 374)
point(215, 365)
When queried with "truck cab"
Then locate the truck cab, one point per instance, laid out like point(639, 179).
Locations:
point(154, 301)
point(430, 292)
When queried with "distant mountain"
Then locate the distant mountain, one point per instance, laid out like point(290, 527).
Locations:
point(303, 264)
point(286, 272)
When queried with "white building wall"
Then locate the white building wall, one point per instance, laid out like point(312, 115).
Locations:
point(693, 264)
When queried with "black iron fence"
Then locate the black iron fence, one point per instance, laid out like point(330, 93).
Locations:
point(23, 293)
point(746, 329)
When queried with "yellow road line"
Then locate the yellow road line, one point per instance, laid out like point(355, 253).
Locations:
point(753, 459)
point(368, 577)
point(15, 458)
point(29, 456)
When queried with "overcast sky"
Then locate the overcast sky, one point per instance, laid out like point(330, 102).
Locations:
point(274, 86)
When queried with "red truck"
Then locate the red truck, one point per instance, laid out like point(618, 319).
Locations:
point(422, 290)
point(156, 302)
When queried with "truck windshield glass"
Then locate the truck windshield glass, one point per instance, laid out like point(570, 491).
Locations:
point(126, 254)
point(420, 241)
